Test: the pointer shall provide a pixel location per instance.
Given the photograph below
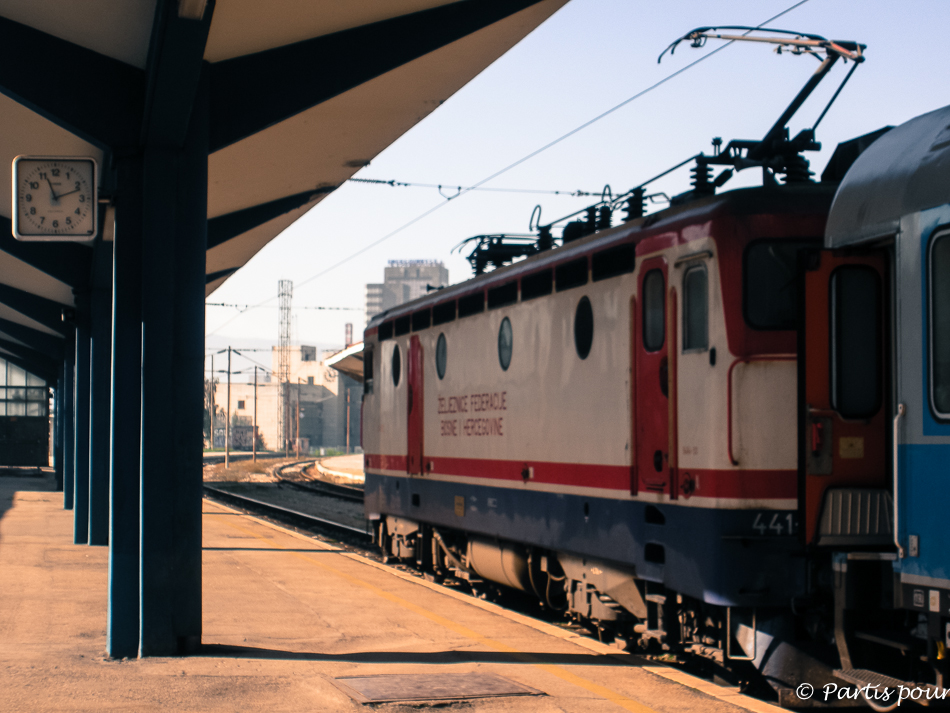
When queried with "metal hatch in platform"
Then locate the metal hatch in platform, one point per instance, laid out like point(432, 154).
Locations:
point(390, 688)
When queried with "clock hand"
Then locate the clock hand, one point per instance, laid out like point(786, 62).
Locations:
point(51, 189)
point(69, 193)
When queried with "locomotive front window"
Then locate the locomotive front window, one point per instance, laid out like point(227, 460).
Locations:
point(695, 309)
point(654, 328)
point(368, 371)
point(940, 324)
point(770, 283)
point(855, 341)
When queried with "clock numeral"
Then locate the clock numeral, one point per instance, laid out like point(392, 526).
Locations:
point(42, 219)
point(54, 171)
point(82, 199)
point(42, 177)
point(78, 186)
point(67, 175)
point(69, 221)
point(34, 184)
point(55, 223)
point(32, 210)
point(78, 212)
point(29, 197)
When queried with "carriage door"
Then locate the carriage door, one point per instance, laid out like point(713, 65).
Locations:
point(414, 416)
point(651, 418)
point(844, 434)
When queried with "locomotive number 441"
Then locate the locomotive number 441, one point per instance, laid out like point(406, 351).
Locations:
point(775, 523)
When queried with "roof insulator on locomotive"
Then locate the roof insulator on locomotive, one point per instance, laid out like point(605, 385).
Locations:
point(604, 217)
point(702, 178)
point(591, 220)
point(545, 239)
point(796, 169)
point(636, 204)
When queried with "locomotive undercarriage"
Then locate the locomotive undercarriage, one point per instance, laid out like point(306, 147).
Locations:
point(846, 631)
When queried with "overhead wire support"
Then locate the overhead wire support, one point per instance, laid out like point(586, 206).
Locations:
point(520, 161)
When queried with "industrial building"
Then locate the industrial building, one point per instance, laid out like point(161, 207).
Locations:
point(316, 398)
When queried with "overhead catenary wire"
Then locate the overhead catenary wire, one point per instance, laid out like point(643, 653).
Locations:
point(517, 163)
point(459, 189)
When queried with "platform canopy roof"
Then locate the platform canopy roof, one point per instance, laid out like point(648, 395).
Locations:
point(303, 93)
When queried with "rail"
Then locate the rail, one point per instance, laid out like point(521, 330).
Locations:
point(285, 514)
point(732, 366)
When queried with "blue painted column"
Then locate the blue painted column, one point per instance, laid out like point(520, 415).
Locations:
point(173, 283)
point(122, 634)
point(100, 394)
point(58, 431)
point(81, 431)
point(69, 421)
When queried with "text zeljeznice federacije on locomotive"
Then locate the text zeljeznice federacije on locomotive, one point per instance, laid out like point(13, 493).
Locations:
point(476, 403)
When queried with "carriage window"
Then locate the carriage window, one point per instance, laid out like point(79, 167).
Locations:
point(770, 283)
point(583, 327)
point(940, 324)
point(441, 356)
point(695, 309)
point(396, 365)
point(855, 341)
point(505, 339)
point(654, 330)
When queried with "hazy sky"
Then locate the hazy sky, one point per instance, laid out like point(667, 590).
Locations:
point(588, 57)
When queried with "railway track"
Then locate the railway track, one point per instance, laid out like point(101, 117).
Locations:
point(285, 515)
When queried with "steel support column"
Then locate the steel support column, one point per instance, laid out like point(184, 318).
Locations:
point(69, 422)
point(58, 432)
point(122, 635)
point(173, 282)
point(100, 395)
point(81, 435)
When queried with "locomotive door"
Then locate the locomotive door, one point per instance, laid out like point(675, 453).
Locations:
point(844, 432)
point(652, 387)
point(414, 416)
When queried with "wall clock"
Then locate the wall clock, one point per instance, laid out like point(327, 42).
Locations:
point(55, 198)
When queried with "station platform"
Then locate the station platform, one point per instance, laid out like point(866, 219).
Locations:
point(295, 624)
point(347, 470)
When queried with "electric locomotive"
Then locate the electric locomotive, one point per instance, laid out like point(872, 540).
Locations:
point(718, 429)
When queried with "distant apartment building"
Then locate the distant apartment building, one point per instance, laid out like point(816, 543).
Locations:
point(404, 280)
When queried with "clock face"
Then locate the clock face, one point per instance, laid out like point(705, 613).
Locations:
point(54, 198)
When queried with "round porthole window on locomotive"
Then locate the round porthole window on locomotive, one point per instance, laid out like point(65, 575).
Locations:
point(440, 356)
point(504, 344)
point(397, 365)
point(583, 327)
